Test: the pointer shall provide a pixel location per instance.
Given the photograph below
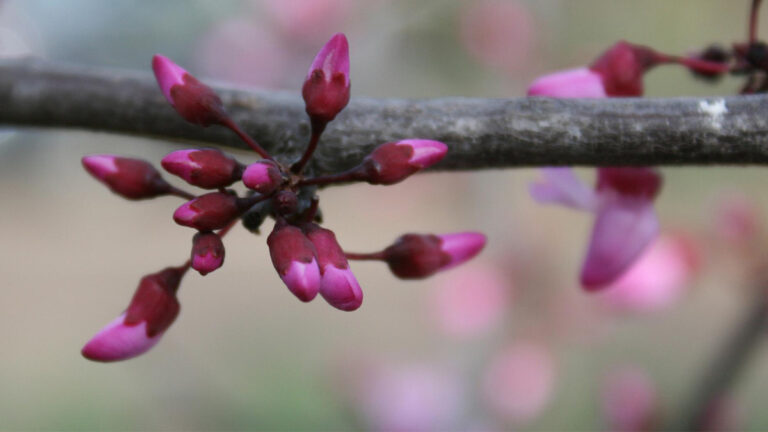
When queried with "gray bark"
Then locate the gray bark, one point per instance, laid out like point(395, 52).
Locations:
point(481, 133)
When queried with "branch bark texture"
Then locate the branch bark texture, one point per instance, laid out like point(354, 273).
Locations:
point(481, 133)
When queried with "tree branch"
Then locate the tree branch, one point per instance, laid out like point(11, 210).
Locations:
point(481, 133)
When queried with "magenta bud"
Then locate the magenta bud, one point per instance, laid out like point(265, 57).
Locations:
point(326, 88)
point(130, 178)
point(207, 252)
point(622, 68)
point(193, 100)
point(293, 256)
point(638, 182)
point(152, 310)
point(393, 162)
point(208, 212)
point(416, 256)
point(263, 176)
point(205, 168)
point(338, 285)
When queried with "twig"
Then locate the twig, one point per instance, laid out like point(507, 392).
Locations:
point(481, 133)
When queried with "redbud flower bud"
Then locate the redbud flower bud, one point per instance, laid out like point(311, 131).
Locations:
point(153, 309)
point(263, 176)
point(392, 162)
point(130, 178)
point(338, 285)
point(416, 256)
point(193, 100)
point(293, 256)
point(205, 168)
point(207, 252)
point(208, 212)
point(326, 88)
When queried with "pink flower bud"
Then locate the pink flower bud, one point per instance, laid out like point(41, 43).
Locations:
point(326, 88)
point(263, 176)
point(338, 285)
point(152, 310)
point(207, 252)
point(391, 163)
point(130, 178)
point(208, 212)
point(416, 256)
point(205, 168)
point(193, 100)
point(293, 256)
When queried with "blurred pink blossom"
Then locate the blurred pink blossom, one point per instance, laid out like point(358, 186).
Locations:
point(629, 401)
point(241, 51)
point(409, 398)
point(519, 382)
point(308, 20)
point(737, 220)
point(500, 33)
point(656, 280)
point(470, 301)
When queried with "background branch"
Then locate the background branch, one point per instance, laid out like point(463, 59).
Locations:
point(481, 133)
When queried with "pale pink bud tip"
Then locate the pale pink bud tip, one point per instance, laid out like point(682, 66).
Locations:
point(340, 288)
point(333, 58)
point(425, 152)
point(100, 166)
point(207, 263)
point(118, 341)
point(185, 215)
point(262, 176)
point(461, 247)
point(168, 74)
point(303, 279)
point(573, 83)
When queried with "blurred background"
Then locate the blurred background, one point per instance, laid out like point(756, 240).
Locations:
point(508, 341)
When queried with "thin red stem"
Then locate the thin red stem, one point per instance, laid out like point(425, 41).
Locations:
point(246, 138)
point(317, 130)
point(753, 15)
point(181, 193)
point(371, 256)
point(345, 177)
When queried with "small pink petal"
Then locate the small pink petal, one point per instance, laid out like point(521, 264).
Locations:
point(561, 186)
point(425, 152)
point(262, 176)
point(624, 227)
point(303, 279)
point(168, 74)
point(461, 247)
point(573, 83)
point(207, 263)
point(340, 288)
point(519, 382)
point(332, 58)
point(117, 341)
point(100, 166)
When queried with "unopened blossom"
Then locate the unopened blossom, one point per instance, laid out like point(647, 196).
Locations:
point(338, 285)
point(326, 87)
point(152, 310)
point(205, 168)
point(208, 212)
point(295, 259)
point(262, 176)
point(416, 256)
point(128, 177)
point(194, 101)
point(207, 252)
point(519, 382)
point(393, 162)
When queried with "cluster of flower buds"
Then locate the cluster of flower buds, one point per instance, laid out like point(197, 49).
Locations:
point(307, 257)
